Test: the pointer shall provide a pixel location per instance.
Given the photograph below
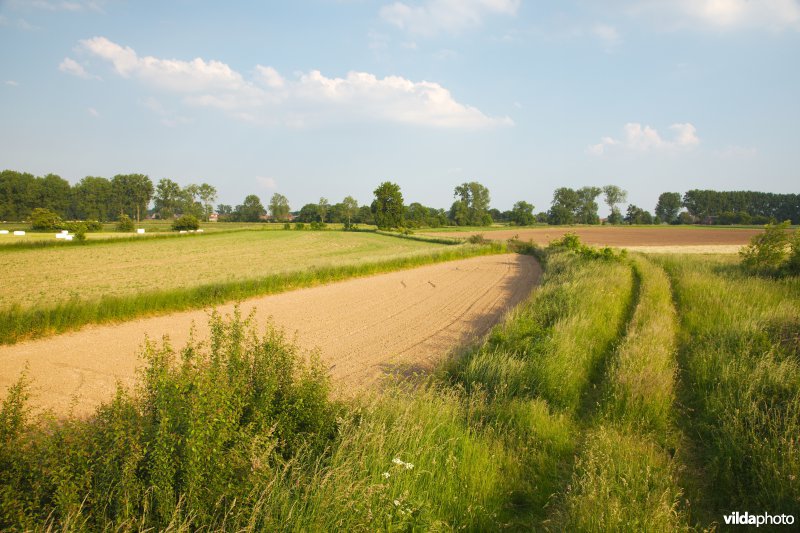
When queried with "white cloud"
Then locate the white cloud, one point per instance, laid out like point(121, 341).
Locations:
point(773, 15)
point(70, 66)
point(12, 83)
point(645, 138)
point(452, 16)
point(267, 182)
point(608, 34)
point(92, 111)
point(308, 98)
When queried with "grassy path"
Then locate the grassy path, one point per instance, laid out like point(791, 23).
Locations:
point(740, 380)
point(626, 476)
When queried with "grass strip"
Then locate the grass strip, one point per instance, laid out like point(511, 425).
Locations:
point(739, 355)
point(626, 477)
point(18, 324)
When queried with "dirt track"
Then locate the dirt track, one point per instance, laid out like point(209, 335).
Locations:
point(364, 328)
point(625, 236)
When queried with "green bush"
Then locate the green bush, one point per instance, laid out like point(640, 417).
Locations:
point(317, 226)
point(45, 220)
point(477, 239)
point(185, 223)
point(286, 225)
point(125, 224)
point(206, 431)
point(767, 252)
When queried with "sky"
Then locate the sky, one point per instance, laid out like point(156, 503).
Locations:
point(328, 98)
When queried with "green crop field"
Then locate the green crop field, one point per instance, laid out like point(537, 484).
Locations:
point(628, 393)
point(52, 275)
point(53, 289)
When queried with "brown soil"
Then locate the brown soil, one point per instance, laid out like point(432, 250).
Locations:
point(364, 329)
point(625, 236)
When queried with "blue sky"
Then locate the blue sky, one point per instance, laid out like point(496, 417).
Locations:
point(331, 97)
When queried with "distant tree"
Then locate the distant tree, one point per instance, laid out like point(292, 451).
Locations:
point(279, 207)
point(685, 218)
point(132, 194)
point(55, 194)
point(92, 199)
point(365, 215)
point(586, 211)
point(322, 209)
point(637, 215)
point(190, 201)
point(224, 209)
point(349, 209)
point(668, 206)
point(475, 198)
point(208, 195)
point(614, 195)
point(563, 207)
point(522, 214)
point(167, 199)
point(308, 213)
point(387, 208)
point(251, 209)
point(459, 213)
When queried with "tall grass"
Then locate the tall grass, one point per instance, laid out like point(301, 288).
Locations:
point(625, 478)
point(18, 323)
point(552, 346)
point(739, 351)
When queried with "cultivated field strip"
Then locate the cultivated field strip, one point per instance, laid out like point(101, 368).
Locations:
point(364, 328)
point(47, 276)
point(623, 236)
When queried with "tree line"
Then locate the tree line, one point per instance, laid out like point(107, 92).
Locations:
point(103, 199)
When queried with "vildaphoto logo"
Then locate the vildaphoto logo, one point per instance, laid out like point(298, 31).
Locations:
point(765, 519)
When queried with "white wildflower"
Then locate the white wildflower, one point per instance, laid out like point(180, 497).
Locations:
point(386, 475)
point(408, 466)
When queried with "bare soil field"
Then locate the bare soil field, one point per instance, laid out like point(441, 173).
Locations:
point(363, 328)
point(625, 236)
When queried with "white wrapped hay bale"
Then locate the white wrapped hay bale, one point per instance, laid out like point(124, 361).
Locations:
point(18, 233)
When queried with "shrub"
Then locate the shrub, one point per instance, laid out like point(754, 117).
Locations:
point(205, 433)
point(477, 239)
point(793, 263)
point(45, 220)
point(767, 253)
point(317, 226)
point(286, 225)
point(93, 225)
point(124, 224)
point(185, 223)
point(80, 234)
point(299, 226)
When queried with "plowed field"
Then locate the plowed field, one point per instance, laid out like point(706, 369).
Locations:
point(363, 328)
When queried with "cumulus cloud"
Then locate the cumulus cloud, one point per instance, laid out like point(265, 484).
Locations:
point(70, 66)
point(307, 98)
point(267, 182)
point(645, 138)
point(775, 15)
point(451, 16)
